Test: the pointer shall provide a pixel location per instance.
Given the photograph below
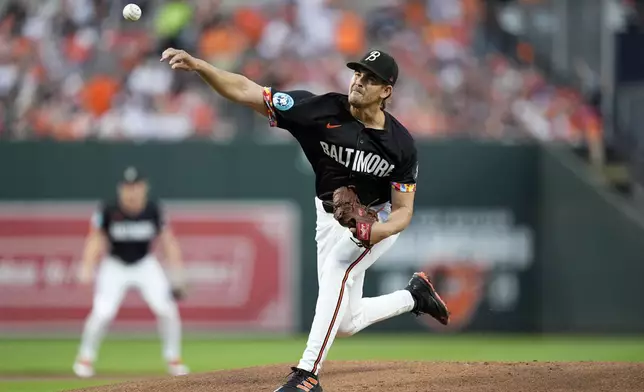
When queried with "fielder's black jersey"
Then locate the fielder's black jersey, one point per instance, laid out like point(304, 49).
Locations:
point(130, 237)
point(341, 150)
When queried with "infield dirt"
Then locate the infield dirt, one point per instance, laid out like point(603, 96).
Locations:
point(413, 376)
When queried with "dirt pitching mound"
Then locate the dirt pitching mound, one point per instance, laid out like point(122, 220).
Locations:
point(413, 376)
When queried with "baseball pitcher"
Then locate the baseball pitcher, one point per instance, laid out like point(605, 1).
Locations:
point(366, 167)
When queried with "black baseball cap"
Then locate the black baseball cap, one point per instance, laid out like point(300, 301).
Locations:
point(380, 64)
point(132, 175)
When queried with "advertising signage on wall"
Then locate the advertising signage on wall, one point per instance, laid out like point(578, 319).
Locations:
point(241, 264)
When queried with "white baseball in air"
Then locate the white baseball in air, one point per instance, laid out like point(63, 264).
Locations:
point(132, 12)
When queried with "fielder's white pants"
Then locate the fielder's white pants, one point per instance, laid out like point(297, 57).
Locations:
point(340, 306)
point(113, 280)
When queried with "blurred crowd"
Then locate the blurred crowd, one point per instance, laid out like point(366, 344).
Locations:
point(76, 70)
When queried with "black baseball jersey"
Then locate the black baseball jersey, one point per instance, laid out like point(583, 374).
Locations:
point(130, 237)
point(341, 150)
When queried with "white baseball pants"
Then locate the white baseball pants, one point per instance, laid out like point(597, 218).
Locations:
point(340, 306)
point(113, 280)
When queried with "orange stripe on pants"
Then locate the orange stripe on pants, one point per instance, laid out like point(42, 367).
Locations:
point(337, 309)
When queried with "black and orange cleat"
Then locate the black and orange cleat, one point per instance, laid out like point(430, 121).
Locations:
point(301, 381)
point(427, 299)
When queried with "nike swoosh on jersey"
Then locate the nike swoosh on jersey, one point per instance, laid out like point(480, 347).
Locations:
point(328, 125)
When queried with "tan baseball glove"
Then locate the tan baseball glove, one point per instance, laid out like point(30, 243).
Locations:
point(351, 213)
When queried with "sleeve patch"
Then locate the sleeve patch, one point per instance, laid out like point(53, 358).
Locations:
point(405, 188)
point(268, 100)
point(283, 102)
point(97, 220)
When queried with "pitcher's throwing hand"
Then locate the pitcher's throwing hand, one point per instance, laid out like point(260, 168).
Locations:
point(179, 59)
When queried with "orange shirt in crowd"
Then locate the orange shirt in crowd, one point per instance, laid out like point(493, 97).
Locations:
point(98, 93)
point(350, 37)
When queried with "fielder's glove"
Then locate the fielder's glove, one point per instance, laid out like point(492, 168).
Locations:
point(178, 293)
point(351, 213)
point(178, 285)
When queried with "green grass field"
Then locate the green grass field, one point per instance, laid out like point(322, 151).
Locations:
point(45, 365)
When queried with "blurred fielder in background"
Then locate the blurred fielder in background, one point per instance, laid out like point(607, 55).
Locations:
point(129, 226)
